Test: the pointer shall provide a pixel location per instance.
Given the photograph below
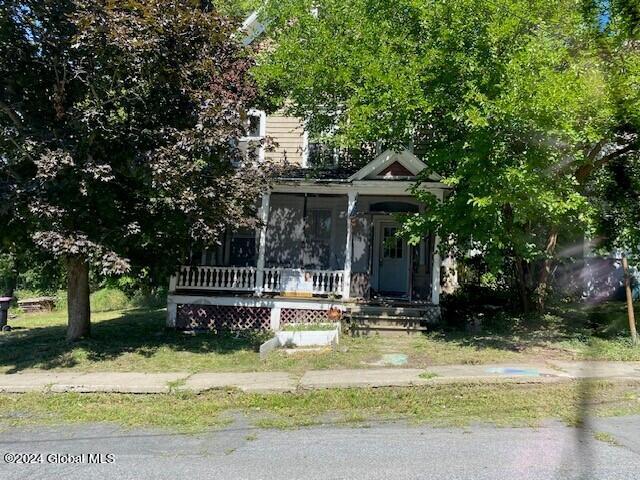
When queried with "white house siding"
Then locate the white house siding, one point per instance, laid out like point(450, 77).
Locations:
point(287, 135)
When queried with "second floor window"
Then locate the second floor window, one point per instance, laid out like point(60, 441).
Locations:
point(251, 144)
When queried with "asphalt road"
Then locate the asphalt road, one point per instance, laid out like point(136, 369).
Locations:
point(385, 451)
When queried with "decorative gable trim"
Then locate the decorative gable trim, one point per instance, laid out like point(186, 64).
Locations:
point(392, 164)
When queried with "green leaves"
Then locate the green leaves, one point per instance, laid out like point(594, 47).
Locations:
point(508, 100)
point(127, 116)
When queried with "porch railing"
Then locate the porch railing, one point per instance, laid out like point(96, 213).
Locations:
point(242, 279)
point(275, 280)
point(317, 282)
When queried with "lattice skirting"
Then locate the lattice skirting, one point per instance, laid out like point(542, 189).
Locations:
point(306, 315)
point(222, 317)
point(432, 314)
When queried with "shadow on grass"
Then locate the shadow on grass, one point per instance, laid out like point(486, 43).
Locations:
point(561, 325)
point(140, 332)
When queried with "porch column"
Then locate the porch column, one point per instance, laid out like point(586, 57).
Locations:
point(348, 253)
point(262, 242)
point(435, 273)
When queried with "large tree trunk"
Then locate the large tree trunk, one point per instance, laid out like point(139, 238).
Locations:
point(522, 285)
point(79, 313)
point(542, 289)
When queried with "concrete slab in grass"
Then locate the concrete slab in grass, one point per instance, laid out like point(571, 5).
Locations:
point(378, 377)
point(33, 382)
point(399, 377)
point(119, 382)
point(247, 382)
point(497, 371)
point(594, 369)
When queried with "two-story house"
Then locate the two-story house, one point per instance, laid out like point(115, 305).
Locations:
point(326, 246)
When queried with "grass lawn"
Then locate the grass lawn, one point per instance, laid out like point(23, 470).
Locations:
point(136, 340)
point(440, 405)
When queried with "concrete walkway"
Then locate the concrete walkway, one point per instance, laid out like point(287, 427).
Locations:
point(271, 382)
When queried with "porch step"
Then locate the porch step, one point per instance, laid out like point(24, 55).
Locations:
point(366, 323)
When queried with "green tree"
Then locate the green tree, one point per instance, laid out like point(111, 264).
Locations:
point(616, 186)
point(517, 103)
point(117, 124)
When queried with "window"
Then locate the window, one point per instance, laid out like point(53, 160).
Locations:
point(391, 244)
point(243, 249)
point(251, 144)
point(255, 124)
point(318, 238)
point(320, 155)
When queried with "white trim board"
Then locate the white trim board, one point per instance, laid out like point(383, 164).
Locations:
point(308, 303)
point(362, 187)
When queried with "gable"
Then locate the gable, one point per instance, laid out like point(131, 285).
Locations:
point(391, 164)
point(396, 169)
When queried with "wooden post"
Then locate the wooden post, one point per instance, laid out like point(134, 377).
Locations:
point(173, 281)
point(352, 199)
point(627, 288)
point(435, 272)
point(262, 243)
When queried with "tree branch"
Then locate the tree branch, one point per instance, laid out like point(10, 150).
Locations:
point(583, 172)
point(11, 114)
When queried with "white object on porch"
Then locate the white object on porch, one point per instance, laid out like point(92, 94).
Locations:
point(217, 278)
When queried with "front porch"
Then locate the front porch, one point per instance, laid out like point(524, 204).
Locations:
point(322, 245)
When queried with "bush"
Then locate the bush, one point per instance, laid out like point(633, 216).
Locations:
point(108, 299)
point(61, 300)
point(150, 298)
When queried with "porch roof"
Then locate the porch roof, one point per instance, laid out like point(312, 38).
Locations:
point(379, 170)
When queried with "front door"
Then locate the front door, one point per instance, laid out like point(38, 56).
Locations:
point(393, 264)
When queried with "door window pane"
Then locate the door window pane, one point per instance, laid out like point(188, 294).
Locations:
point(391, 245)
